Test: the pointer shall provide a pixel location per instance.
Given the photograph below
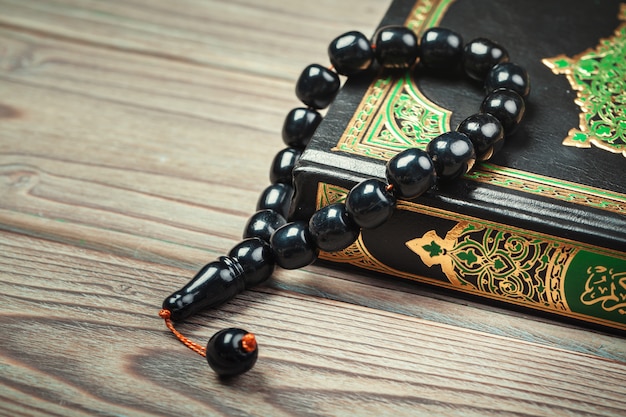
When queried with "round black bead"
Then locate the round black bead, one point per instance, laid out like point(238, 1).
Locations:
point(256, 258)
point(510, 76)
point(507, 106)
point(276, 197)
point(452, 153)
point(441, 49)
point(300, 125)
point(262, 224)
point(225, 354)
point(396, 47)
point(293, 245)
point(411, 172)
point(480, 55)
point(317, 86)
point(485, 132)
point(282, 165)
point(370, 203)
point(332, 228)
point(350, 53)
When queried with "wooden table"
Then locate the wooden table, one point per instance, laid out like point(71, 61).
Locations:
point(135, 138)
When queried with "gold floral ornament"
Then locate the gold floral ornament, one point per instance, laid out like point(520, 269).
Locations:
point(599, 78)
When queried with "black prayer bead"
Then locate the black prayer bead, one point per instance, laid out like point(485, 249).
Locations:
point(411, 172)
point(480, 55)
point(317, 86)
point(441, 49)
point(350, 53)
point(452, 153)
point(216, 283)
point(262, 224)
point(510, 76)
point(299, 126)
point(332, 228)
point(485, 132)
point(282, 165)
point(293, 245)
point(226, 355)
point(507, 106)
point(396, 47)
point(256, 259)
point(276, 197)
point(370, 203)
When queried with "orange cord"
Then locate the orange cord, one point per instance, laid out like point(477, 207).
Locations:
point(165, 315)
point(389, 187)
point(248, 342)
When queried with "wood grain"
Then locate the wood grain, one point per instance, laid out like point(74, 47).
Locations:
point(135, 138)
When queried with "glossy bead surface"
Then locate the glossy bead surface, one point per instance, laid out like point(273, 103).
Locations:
point(396, 47)
point(262, 224)
point(332, 228)
point(485, 132)
point(216, 283)
point(453, 155)
point(293, 246)
point(507, 106)
point(225, 354)
point(411, 172)
point(256, 259)
point(276, 197)
point(350, 53)
point(441, 49)
point(510, 76)
point(282, 165)
point(317, 86)
point(370, 204)
point(480, 55)
point(299, 126)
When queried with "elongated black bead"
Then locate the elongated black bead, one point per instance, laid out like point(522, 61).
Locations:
point(282, 165)
point(276, 197)
point(441, 49)
point(507, 106)
point(485, 132)
point(216, 283)
point(262, 224)
point(480, 55)
point(293, 246)
point(299, 126)
point(317, 86)
point(370, 203)
point(510, 76)
point(332, 228)
point(350, 53)
point(256, 259)
point(396, 47)
point(227, 355)
point(411, 172)
point(452, 153)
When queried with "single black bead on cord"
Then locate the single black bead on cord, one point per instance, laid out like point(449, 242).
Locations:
point(282, 165)
point(370, 203)
point(441, 49)
point(396, 47)
point(480, 55)
point(276, 197)
point(453, 155)
point(332, 228)
point(293, 245)
point(350, 53)
point(411, 173)
point(299, 127)
point(510, 76)
point(317, 86)
point(231, 352)
point(262, 224)
point(256, 259)
point(486, 133)
point(507, 106)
